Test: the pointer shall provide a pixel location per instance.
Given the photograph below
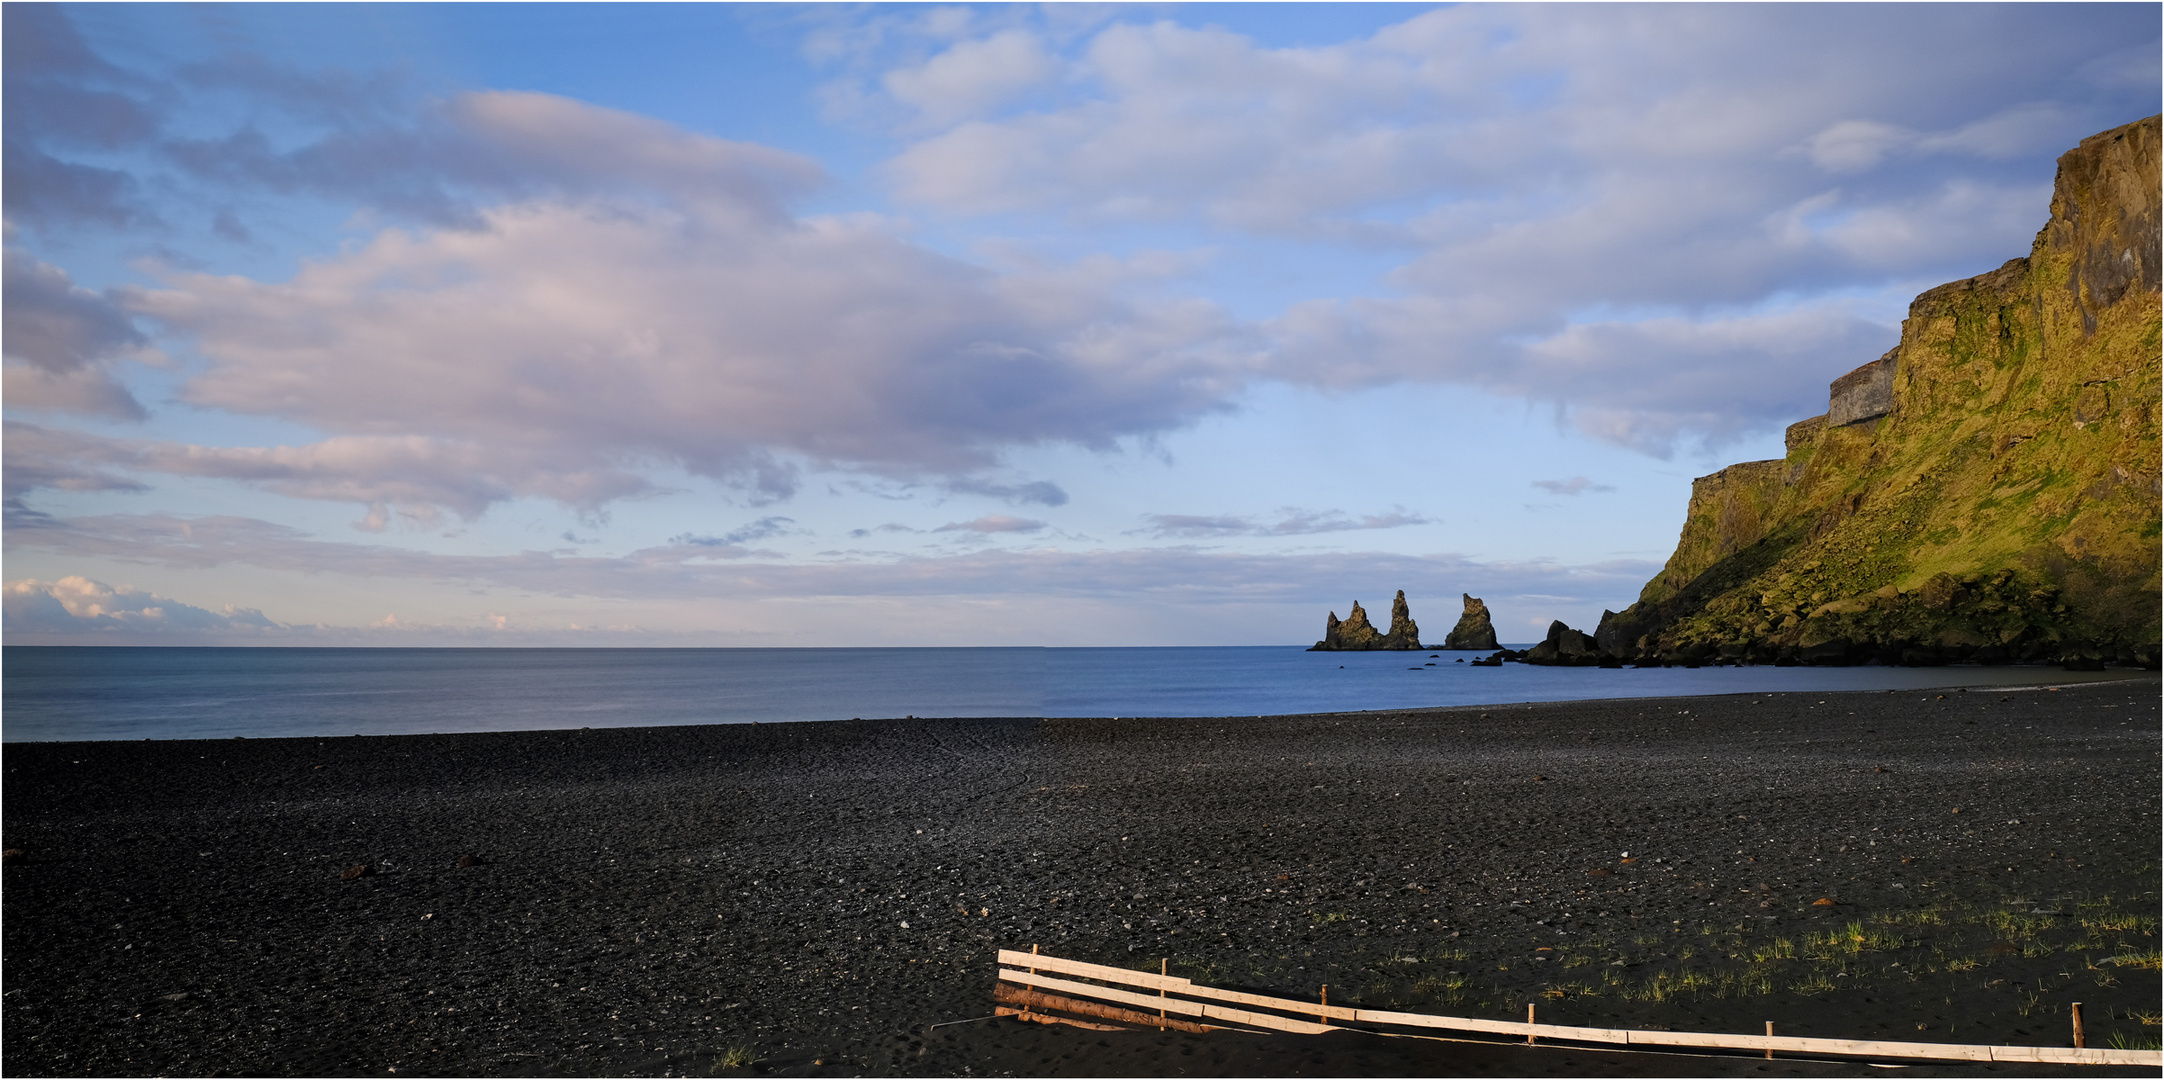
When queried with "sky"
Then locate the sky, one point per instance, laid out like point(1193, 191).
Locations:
point(1071, 325)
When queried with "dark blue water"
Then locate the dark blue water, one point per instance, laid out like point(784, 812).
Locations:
point(68, 692)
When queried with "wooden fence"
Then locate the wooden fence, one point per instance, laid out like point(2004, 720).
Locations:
point(1049, 989)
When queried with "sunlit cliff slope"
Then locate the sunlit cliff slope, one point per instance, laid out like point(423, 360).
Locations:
point(1988, 490)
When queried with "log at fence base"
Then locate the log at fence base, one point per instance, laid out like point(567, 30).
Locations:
point(1033, 1002)
point(1047, 1018)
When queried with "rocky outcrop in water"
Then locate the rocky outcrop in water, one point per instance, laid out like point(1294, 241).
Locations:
point(1987, 491)
point(1564, 646)
point(1474, 630)
point(1357, 634)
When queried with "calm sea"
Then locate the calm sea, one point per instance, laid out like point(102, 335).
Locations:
point(68, 693)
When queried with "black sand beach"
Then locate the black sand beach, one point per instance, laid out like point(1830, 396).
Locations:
point(811, 898)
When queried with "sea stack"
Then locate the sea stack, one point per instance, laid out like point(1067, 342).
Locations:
point(1357, 634)
point(1474, 630)
point(1985, 492)
point(1404, 632)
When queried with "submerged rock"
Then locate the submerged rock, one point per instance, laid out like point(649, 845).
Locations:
point(1474, 630)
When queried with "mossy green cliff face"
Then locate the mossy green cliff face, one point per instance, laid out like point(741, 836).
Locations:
point(1988, 490)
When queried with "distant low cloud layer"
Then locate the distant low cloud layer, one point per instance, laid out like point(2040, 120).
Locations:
point(1293, 522)
point(1576, 485)
point(1177, 575)
point(79, 606)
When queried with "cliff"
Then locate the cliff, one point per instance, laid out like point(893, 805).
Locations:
point(1988, 490)
point(1357, 634)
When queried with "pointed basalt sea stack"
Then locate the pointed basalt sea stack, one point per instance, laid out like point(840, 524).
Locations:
point(1357, 634)
point(1404, 632)
point(1474, 630)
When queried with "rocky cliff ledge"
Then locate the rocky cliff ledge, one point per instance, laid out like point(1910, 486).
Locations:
point(1357, 634)
point(1987, 491)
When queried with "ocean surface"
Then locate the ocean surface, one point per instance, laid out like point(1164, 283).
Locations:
point(71, 693)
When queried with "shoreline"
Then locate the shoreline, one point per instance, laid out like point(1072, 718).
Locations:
point(821, 892)
point(95, 695)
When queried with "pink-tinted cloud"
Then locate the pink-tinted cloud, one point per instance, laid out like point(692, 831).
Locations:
point(60, 341)
point(583, 340)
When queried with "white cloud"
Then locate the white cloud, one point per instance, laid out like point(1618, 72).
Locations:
point(973, 77)
point(78, 605)
point(1856, 145)
point(1621, 211)
point(1539, 162)
point(561, 347)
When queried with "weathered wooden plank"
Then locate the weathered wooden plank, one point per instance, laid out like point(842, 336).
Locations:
point(1611, 1036)
point(1492, 1027)
point(1262, 1001)
point(1170, 984)
point(1100, 972)
point(2088, 1055)
point(1174, 1006)
point(1264, 1020)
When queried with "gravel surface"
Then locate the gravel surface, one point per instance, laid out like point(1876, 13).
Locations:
point(809, 898)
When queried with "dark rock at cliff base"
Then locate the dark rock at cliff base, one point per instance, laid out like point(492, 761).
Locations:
point(1474, 630)
point(1564, 647)
point(1357, 634)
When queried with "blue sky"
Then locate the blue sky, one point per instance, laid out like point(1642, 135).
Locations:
point(960, 325)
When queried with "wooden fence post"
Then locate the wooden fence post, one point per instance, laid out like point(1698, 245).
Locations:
point(2081, 1037)
point(1769, 1034)
point(1164, 970)
point(1529, 1023)
point(1322, 1018)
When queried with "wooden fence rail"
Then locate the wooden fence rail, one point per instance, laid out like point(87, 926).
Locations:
point(1199, 1006)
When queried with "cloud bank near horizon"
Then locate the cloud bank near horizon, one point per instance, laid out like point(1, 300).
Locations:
point(1183, 578)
